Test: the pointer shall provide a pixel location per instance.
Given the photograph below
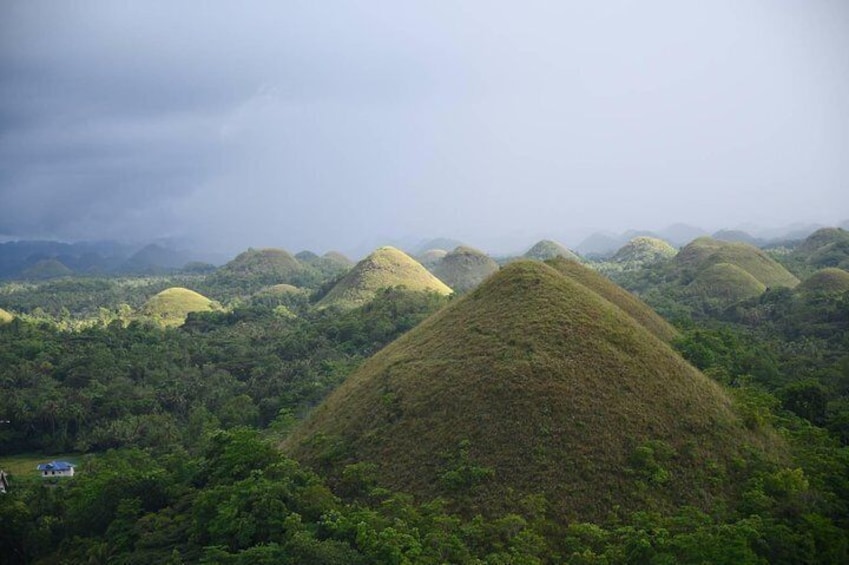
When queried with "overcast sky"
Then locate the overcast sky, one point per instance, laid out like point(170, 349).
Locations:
point(331, 124)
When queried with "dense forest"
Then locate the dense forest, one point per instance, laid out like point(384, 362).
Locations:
point(176, 429)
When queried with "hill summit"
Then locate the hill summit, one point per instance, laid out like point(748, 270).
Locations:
point(547, 249)
point(257, 268)
point(532, 384)
point(464, 268)
point(385, 267)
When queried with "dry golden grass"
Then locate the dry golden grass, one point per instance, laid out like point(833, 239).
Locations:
point(5, 317)
point(725, 282)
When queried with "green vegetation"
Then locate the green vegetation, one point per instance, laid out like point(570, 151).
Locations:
point(258, 268)
point(171, 306)
point(5, 317)
point(551, 423)
point(386, 267)
point(826, 247)
point(554, 387)
point(547, 249)
point(830, 280)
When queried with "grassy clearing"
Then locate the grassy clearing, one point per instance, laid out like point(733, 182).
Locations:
point(22, 466)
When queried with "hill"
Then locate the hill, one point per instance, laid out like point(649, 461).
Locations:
point(155, 258)
point(726, 283)
point(171, 306)
point(644, 250)
point(607, 289)
point(704, 252)
point(830, 280)
point(254, 269)
point(431, 257)
point(385, 268)
point(547, 249)
point(5, 317)
point(826, 247)
point(532, 384)
point(464, 268)
point(737, 236)
point(46, 269)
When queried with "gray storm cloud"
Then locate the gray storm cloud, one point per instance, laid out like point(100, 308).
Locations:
point(326, 124)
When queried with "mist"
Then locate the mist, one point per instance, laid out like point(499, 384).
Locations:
point(339, 125)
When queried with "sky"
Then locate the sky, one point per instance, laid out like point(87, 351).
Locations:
point(341, 125)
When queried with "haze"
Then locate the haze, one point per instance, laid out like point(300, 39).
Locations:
point(330, 125)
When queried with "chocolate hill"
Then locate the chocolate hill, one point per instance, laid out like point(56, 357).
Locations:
point(533, 383)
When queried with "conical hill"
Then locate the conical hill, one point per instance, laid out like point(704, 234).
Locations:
point(385, 267)
point(464, 268)
point(532, 384)
point(726, 283)
point(704, 252)
point(257, 268)
point(829, 281)
point(5, 317)
point(171, 306)
point(547, 249)
point(644, 250)
point(609, 290)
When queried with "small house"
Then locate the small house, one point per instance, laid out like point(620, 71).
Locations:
point(56, 469)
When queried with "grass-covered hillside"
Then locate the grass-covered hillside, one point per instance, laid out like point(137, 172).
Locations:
point(830, 280)
point(547, 249)
point(171, 306)
point(254, 269)
point(644, 250)
point(725, 282)
point(826, 247)
point(5, 316)
point(612, 292)
point(534, 385)
point(464, 268)
point(705, 252)
point(387, 267)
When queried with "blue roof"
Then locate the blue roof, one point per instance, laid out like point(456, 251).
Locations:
point(55, 466)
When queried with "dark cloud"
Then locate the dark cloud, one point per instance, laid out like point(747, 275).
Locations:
point(326, 124)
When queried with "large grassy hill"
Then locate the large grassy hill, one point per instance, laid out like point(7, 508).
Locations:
point(612, 292)
point(384, 268)
point(533, 384)
point(464, 268)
